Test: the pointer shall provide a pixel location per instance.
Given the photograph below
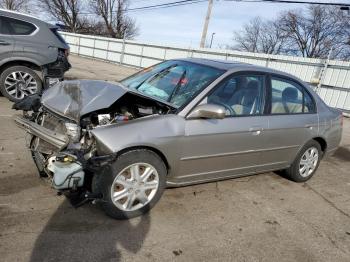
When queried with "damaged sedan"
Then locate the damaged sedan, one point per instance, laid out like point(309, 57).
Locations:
point(178, 123)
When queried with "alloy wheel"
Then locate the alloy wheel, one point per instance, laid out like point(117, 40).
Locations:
point(134, 187)
point(19, 84)
point(308, 162)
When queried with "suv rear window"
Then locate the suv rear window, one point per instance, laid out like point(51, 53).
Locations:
point(16, 27)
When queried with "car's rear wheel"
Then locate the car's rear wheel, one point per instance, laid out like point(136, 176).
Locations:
point(306, 162)
point(131, 185)
point(17, 82)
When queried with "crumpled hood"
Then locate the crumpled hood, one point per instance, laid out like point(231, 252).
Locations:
point(76, 98)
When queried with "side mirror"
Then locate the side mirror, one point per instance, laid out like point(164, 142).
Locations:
point(211, 111)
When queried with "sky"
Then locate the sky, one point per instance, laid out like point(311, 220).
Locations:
point(183, 25)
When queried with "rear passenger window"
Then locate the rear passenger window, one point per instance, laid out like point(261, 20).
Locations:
point(288, 97)
point(4, 29)
point(16, 27)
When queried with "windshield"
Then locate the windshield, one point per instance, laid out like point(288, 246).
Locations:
point(175, 82)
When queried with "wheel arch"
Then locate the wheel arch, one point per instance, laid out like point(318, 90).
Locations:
point(150, 148)
point(27, 63)
point(322, 142)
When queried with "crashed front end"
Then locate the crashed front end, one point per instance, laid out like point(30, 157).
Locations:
point(60, 149)
point(61, 125)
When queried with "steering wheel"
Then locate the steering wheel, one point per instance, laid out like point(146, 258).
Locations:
point(227, 107)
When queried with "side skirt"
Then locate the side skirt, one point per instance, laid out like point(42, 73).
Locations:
point(172, 183)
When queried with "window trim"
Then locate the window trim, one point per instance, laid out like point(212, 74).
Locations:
point(298, 85)
point(239, 73)
point(33, 33)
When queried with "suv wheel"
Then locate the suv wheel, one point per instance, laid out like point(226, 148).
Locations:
point(131, 185)
point(16, 82)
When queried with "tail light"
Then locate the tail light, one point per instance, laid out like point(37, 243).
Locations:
point(66, 52)
point(341, 119)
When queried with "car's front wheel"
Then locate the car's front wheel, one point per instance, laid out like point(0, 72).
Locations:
point(16, 82)
point(131, 185)
point(306, 162)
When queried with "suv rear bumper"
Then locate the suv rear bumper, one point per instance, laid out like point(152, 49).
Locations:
point(57, 69)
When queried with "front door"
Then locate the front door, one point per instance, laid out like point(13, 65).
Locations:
point(220, 148)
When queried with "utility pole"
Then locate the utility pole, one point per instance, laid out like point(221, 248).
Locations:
point(206, 23)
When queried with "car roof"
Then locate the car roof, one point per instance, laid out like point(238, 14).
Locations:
point(24, 17)
point(216, 63)
point(236, 66)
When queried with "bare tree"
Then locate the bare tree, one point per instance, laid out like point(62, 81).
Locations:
point(15, 5)
point(247, 39)
point(311, 33)
point(344, 18)
point(259, 36)
point(314, 33)
point(93, 26)
point(272, 38)
point(66, 11)
point(113, 13)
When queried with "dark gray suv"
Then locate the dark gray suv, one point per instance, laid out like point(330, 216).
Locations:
point(32, 52)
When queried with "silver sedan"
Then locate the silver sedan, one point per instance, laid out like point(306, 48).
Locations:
point(177, 123)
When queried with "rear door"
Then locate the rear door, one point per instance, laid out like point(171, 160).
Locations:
point(292, 121)
point(7, 42)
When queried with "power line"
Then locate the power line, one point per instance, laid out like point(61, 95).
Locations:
point(291, 2)
point(156, 6)
point(189, 2)
point(166, 5)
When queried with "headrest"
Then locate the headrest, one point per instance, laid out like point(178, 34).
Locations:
point(290, 94)
point(253, 85)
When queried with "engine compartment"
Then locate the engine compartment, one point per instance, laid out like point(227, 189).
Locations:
point(129, 107)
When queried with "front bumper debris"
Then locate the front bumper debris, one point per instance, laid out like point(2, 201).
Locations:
point(56, 139)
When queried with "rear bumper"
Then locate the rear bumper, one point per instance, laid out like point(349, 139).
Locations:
point(56, 139)
point(55, 70)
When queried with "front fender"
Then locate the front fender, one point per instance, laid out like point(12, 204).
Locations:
point(161, 132)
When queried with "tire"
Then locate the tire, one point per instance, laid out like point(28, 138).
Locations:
point(117, 178)
point(303, 169)
point(24, 82)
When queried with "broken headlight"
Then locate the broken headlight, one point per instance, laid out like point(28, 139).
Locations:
point(104, 119)
point(73, 132)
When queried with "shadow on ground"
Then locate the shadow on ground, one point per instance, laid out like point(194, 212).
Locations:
point(87, 234)
point(342, 153)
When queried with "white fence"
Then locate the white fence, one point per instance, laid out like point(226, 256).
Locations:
point(334, 76)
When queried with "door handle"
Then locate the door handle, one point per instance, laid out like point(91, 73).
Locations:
point(4, 43)
point(308, 126)
point(255, 130)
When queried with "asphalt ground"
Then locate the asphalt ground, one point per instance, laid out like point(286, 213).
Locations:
point(258, 218)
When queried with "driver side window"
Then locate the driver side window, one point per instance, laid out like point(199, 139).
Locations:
point(240, 95)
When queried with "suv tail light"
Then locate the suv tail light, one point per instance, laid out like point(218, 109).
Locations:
point(66, 52)
point(341, 119)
